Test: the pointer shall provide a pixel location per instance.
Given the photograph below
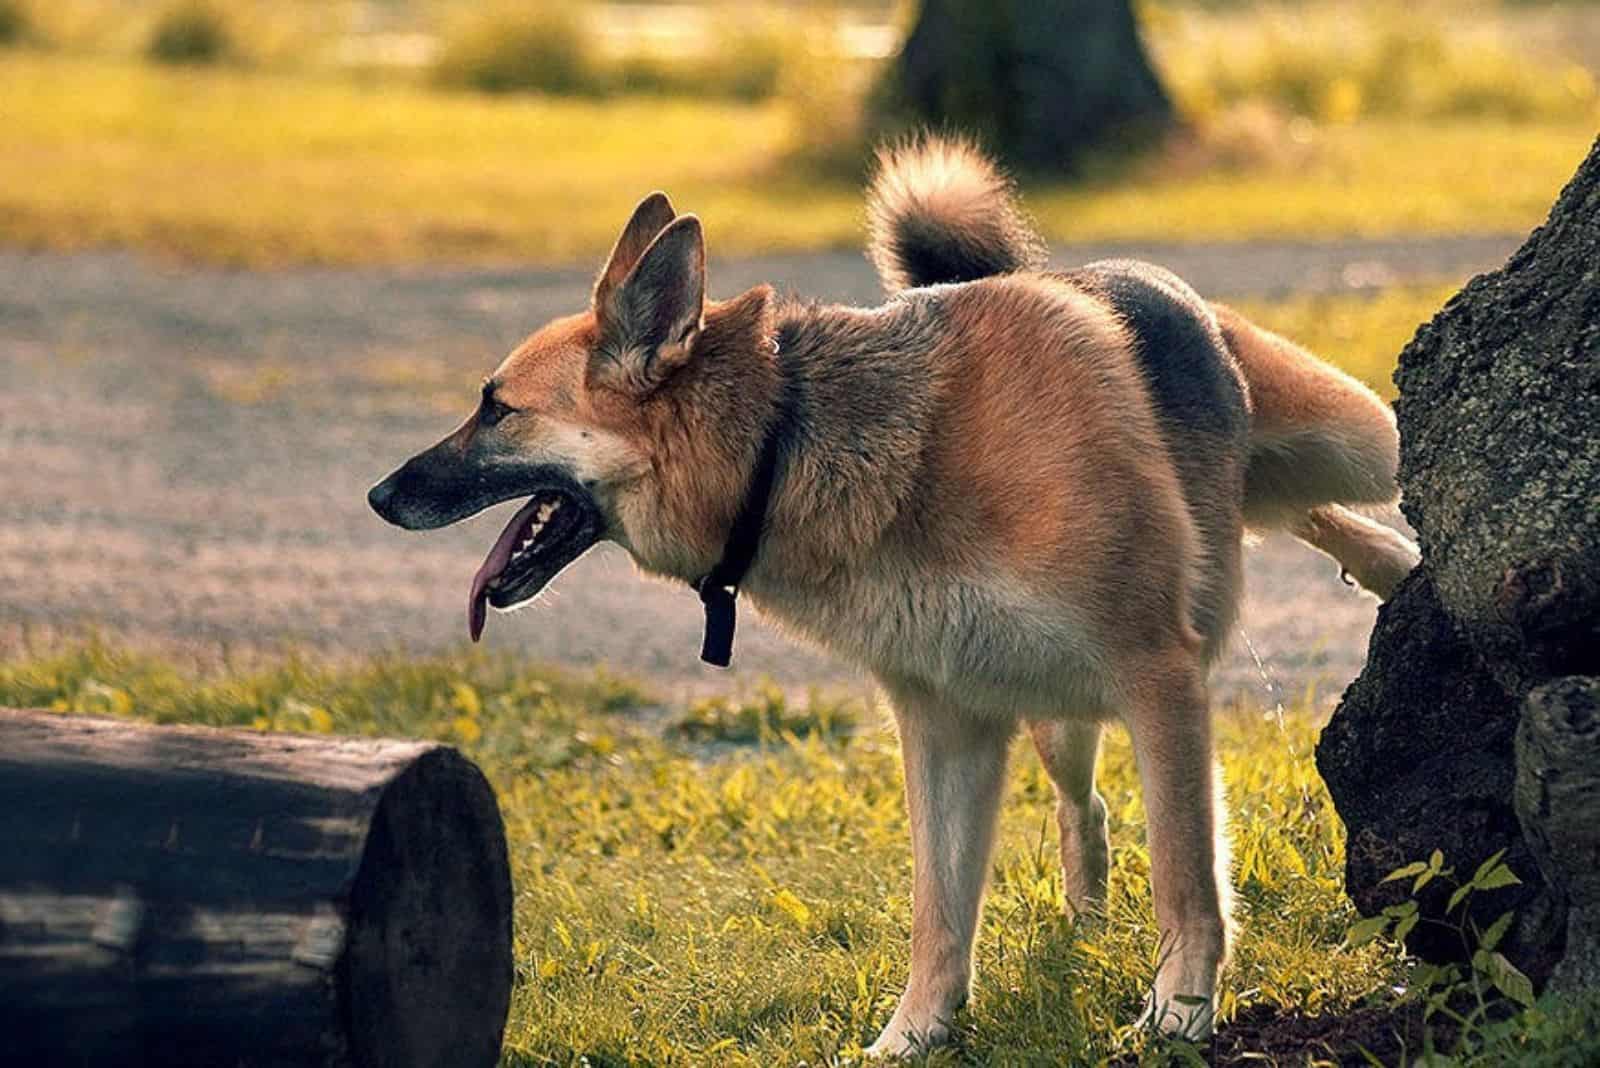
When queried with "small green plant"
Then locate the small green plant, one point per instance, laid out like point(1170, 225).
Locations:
point(551, 49)
point(1490, 988)
point(191, 32)
point(537, 48)
point(765, 718)
point(14, 23)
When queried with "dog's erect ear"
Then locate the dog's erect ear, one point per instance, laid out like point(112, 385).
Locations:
point(649, 322)
point(649, 219)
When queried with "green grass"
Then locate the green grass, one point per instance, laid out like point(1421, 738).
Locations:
point(1340, 61)
point(1380, 177)
point(764, 717)
point(753, 909)
point(555, 48)
point(244, 167)
point(237, 167)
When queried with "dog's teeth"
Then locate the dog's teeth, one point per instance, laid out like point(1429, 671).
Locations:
point(548, 509)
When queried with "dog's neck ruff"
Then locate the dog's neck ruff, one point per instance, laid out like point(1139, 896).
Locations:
point(719, 587)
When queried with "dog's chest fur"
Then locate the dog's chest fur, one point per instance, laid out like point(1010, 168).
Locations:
point(986, 641)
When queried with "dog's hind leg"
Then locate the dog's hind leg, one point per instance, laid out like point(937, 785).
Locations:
point(1376, 556)
point(955, 770)
point(1069, 749)
point(1171, 729)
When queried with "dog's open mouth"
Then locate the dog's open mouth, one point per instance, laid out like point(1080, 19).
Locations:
point(553, 529)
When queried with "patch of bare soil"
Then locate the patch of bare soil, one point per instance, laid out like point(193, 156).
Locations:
point(1262, 1038)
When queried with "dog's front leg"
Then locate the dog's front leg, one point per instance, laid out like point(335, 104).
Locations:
point(955, 769)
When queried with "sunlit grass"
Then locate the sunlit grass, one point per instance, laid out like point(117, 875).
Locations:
point(234, 167)
point(752, 909)
point(240, 167)
point(1375, 178)
point(1344, 59)
point(765, 716)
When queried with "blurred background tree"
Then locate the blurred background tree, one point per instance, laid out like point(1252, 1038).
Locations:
point(1041, 82)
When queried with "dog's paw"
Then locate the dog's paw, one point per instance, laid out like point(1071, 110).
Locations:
point(910, 1034)
point(1179, 1016)
point(894, 1044)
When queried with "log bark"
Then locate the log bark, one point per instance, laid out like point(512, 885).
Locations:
point(180, 895)
point(1499, 416)
point(1040, 82)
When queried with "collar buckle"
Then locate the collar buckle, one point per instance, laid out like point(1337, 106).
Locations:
point(716, 648)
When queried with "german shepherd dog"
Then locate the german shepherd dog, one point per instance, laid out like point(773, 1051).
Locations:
point(1015, 496)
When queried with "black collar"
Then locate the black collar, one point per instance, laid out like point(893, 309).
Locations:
point(719, 587)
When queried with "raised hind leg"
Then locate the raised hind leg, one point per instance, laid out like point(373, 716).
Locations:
point(1376, 556)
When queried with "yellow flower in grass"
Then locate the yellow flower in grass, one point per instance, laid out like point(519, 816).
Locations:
point(1341, 102)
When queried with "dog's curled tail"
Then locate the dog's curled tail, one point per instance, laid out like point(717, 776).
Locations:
point(1319, 441)
point(940, 211)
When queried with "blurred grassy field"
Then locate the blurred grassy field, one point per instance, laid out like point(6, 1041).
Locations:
point(751, 907)
point(253, 168)
point(245, 168)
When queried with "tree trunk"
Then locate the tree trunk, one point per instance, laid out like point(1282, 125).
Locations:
point(1558, 802)
point(1452, 738)
point(175, 895)
point(1038, 81)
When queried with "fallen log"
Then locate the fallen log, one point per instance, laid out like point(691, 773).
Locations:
point(183, 895)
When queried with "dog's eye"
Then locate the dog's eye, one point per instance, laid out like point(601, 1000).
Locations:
point(490, 410)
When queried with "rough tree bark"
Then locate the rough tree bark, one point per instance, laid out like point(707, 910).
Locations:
point(175, 895)
point(1558, 802)
point(1473, 726)
point(1039, 81)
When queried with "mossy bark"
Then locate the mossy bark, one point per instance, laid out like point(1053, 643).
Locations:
point(1499, 416)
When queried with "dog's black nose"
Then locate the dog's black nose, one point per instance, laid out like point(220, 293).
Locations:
point(381, 497)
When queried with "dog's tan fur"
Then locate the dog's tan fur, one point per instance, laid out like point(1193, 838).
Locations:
point(983, 503)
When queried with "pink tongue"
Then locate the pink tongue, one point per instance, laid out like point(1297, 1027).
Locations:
point(493, 566)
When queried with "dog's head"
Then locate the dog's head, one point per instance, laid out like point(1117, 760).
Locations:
point(576, 419)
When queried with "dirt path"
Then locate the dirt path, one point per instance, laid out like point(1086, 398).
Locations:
point(183, 458)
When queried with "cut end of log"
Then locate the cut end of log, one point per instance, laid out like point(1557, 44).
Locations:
point(426, 977)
